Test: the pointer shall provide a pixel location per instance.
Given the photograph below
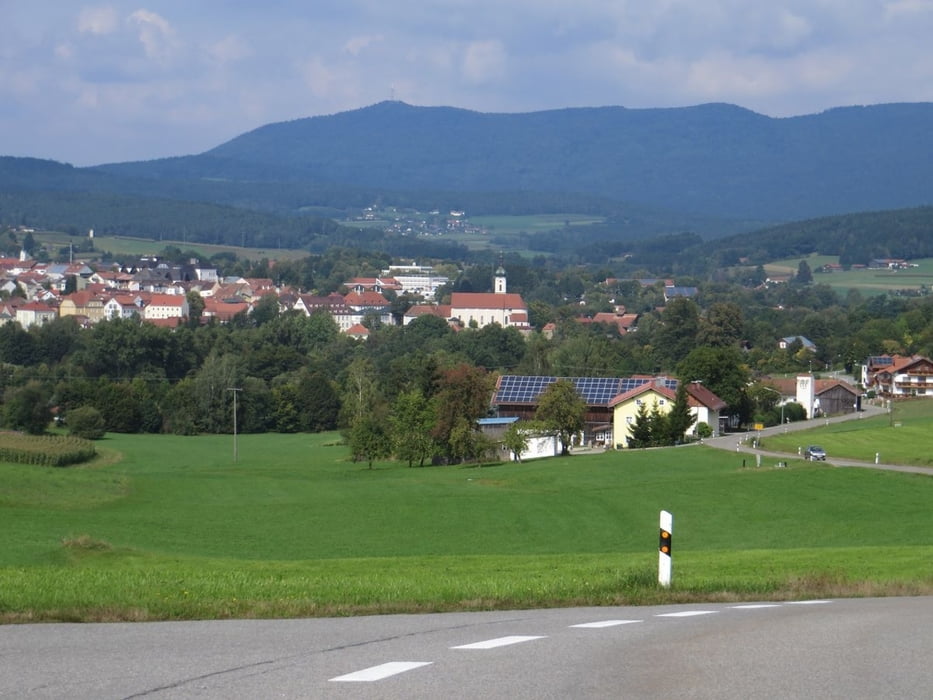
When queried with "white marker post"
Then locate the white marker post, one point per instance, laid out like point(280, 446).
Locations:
point(664, 549)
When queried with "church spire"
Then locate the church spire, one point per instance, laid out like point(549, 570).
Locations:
point(499, 279)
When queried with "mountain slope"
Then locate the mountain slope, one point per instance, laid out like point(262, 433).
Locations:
point(715, 159)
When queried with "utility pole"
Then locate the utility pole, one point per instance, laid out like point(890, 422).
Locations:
point(235, 391)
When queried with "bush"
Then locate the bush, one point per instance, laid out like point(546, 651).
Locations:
point(86, 422)
point(703, 430)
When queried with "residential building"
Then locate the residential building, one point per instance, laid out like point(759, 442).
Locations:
point(35, 313)
point(898, 375)
point(610, 401)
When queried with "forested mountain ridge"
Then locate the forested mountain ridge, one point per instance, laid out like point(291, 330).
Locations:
point(714, 159)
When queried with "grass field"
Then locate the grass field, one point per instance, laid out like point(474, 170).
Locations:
point(167, 527)
point(127, 245)
point(867, 281)
point(904, 437)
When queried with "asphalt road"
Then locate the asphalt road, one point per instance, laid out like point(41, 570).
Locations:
point(853, 648)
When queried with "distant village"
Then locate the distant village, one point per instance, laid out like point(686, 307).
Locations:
point(159, 292)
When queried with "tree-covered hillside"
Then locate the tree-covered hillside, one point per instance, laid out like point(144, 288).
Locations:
point(856, 238)
point(717, 160)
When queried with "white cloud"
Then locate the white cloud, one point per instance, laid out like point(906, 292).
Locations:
point(484, 61)
point(155, 34)
point(356, 44)
point(908, 8)
point(119, 68)
point(230, 49)
point(98, 20)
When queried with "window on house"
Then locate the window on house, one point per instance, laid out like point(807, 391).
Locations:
point(629, 420)
point(661, 402)
point(638, 402)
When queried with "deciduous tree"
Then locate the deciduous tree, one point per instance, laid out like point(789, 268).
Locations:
point(563, 410)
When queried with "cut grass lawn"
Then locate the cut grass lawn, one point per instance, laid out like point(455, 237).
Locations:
point(175, 530)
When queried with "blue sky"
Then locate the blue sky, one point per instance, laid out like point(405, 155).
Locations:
point(133, 80)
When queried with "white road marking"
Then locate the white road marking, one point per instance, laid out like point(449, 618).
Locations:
point(499, 642)
point(755, 606)
point(377, 673)
point(688, 613)
point(809, 602)
point(605, 623)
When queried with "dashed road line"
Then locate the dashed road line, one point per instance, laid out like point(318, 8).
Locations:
point(382, 671)
point(755, 606)
point(688, 613)
point(498, 642)
point(393, 668)
point(605, 623)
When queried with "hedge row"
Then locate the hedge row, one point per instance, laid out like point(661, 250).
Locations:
point(45, 450)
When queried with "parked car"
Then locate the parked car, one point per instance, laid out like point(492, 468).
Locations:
point(815, 452)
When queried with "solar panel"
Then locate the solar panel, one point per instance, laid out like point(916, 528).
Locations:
point(594, 390)
point(881, 361)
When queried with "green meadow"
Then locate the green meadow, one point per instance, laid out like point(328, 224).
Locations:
point(169, 527)
point(868, 282)
point(904, 436)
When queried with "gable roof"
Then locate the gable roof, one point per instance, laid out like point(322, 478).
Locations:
point(486, 300)
point(703, 396)
point(654, 387)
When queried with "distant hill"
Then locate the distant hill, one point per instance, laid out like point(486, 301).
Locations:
point(714, 160)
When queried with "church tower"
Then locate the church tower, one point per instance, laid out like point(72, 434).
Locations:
point(499, 280)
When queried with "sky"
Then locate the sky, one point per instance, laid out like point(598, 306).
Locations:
point(91, 83)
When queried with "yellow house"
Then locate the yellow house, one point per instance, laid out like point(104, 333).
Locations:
point(627, 405)
point(705, 406)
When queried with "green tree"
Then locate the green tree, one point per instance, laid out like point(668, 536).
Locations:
point(680, 418)
point(516, 439)
point(318, 402)
point(563, 410)
point(411, 421)
point(677, 334)
point(369, 440)
point(804, 274)
point(659, 427)
point(195, 308)
point(361, 395)
point(86, 422)
point(722, 325)
point(722, 371)
point(27, 408)
point(462, 397)
point(640, 431)
point(286, 415)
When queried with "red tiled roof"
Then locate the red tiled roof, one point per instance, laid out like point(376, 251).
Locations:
point(486, 300)
point(669, 394)
point(439, 310)
point(365, 299)
point(704, 397)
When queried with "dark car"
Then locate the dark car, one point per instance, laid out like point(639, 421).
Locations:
point(815, 452)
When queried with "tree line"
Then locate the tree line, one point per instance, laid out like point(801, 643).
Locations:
point(299, 373)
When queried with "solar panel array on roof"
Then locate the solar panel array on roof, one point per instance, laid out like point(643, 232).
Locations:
point(516, 389)
point(881, 361)
point(594, 390)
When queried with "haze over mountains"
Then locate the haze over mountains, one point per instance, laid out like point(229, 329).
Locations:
point(714, 169)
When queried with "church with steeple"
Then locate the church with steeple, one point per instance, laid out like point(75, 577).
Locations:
point(479, 309)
